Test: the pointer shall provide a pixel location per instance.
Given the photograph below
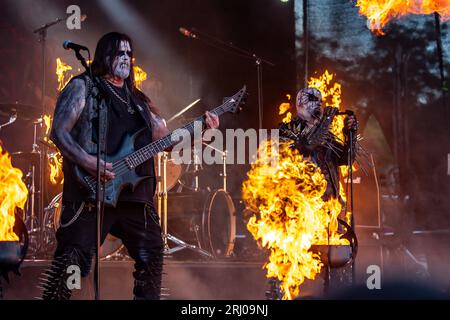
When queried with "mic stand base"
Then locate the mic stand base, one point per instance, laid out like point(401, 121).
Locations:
point(183, 245)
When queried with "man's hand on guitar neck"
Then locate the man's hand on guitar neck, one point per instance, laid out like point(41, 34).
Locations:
point(91, 167)
point(211, 120)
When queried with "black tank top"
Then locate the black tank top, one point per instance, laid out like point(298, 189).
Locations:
point(123, 119)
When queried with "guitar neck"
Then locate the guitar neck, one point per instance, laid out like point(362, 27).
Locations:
point(145, 153)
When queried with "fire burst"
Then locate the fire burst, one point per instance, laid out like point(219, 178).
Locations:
point(291, 215)
point(13, 194)
point(61, 69)
point(283, 109)
point(331, 96)
point(380, 12)
point(139, 76)
point(55, 158)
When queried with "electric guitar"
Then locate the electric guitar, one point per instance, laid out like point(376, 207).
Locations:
point(127, 158)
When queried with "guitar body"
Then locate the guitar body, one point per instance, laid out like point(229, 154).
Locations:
point(116, 185)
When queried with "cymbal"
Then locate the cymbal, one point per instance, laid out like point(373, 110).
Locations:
point(30, 156)
point(49, 145)
point(23, 111)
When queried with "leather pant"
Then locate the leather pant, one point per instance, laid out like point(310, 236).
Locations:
point(136, 224)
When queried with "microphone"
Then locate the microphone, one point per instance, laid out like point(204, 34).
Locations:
point(185, 32)
point(70, 45)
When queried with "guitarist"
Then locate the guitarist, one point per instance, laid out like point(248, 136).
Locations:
point(74, 131)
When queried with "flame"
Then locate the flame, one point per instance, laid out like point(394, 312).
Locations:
point(291, 215)
point(284, 109)
point(55, 158)
point(61, 69)
point(331, 95)
point(13, 194)
point(48, 123)
point(139, 76)
point(380, 12)
point(55, 164)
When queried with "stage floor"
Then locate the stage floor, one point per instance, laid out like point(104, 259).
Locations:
point(197, 280)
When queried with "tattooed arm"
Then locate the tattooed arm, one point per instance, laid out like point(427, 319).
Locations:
point(69, 106)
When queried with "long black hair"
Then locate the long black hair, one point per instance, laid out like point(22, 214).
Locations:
point(107, 49)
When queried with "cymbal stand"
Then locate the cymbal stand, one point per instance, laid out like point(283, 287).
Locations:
point(162, 212)
point(197, 165)
point(34, 221)
point(12, 119)
point(224, 164)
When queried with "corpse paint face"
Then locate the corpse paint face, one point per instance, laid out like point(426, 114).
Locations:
point(309, 104)
point(122, 62)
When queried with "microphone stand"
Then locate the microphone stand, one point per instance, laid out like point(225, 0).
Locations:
point(350, 175)
point(100, 185)
point(42, 33)
point(231, 48)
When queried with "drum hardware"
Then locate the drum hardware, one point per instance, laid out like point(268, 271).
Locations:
point(162, 197)
point(224, 164)
point(194, 184)
point(34, 210)
point(19, 110)
point(12, 119)
point(182, 111)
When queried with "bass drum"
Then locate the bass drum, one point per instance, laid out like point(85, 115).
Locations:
point(110, 246)
point(207, 220)
point(219, 224)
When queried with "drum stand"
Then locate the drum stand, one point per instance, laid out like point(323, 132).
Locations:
point(224, 163)
point(34, 222)
point(162, 197)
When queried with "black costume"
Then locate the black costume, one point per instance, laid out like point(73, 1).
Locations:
point(327, 156)
point(134, 220)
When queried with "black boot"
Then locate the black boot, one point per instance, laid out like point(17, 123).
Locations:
point(55, 282)
point(147, 283)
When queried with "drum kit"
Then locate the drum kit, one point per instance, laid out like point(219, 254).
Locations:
point(209, 215)
point(192, 216)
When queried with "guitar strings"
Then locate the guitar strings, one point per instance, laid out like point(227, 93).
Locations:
point(121, 165)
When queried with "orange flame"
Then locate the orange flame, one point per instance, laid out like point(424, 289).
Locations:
point(56, 173)
point(139, 76)
point(284, 109)
point(331, 95)
point(291, 215)
point(61, 69)
point(13, 194)
point(380, 12)
point(55, 160)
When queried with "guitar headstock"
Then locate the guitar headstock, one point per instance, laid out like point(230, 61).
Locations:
point(235, 103)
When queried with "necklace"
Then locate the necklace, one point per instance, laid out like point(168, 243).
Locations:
point(126, 102)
